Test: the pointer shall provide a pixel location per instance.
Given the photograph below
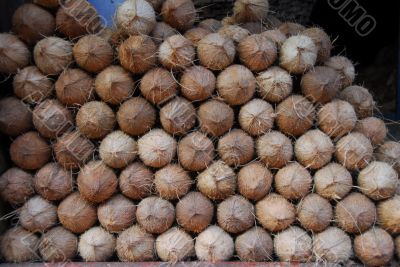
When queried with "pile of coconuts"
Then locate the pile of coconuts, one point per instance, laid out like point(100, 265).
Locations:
point(169, 138)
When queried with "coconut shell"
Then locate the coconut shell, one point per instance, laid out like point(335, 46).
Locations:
point(215, 118)
point(178, 116)
point(196, 34)
point(293, 245)
point(129, 251)
point(276, 36)
point(16, 186)
point(234, 32)
point(236, 148)
point(257, 52)
point(274, 149)
point(389, 152)
point(194, 212)
point(275, 213)
point(210, 24)
point(158, 86)
point(345, 68)
point(373, 128)
point(254, 245)
point(155, 215)
point(136, 181)
point(136, 17)
point(52, 182)
point(15, 116)
point(176, 52)
point(214, 245)
point(97, 182)
point(322, 41)
point(355, 213)
point(254, 181)
point(174, 245)
point(250, 10)
point(74, 87)
point(291, 28)
point(256, 117)
point(172, 182)
point(118, 150)
point(315, 213)
point(38, 215)
point(76, 214)
point(52, 55)
point(161, 32)
point(47, 3)
point(216, 52)
point(293, 181)
point(274, 84)
point(58, 245)
point(96, 244)
point(95, 119)
point(389, 215)
point(30, 151)
point(361, 99)
point(52, 119)
point(180, 14)
point(18, 245)
point(218, 181)
point(138, 54)
point(332, 245)
point(14, 54)
point(333, 181)
point(197, 83)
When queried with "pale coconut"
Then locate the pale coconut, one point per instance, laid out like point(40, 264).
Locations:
point(214, 244)
point(274, 84)
point(293, 181)
point(118, 150)
point(333, 181)
point(254, 181)
point(256, 117)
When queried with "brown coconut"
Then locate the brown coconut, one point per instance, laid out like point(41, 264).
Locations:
point(194, 35)
point(332, 245)
point(256, 117)
point(197, 83)
point(38, 215)
point(155, 215)
point(215, 117)
point(322, 41)
point(14, 54)
point(210, 24)
point(250, 10)
point(158, 86)
point(293, 181)
point(178, 116)
point(18, 245)
point(236, 148)
point(30, 151)
point(176, 52)
point(293, 245)
point(389, 152)
point(234, 32)
point(274, 84)
point(52, 182)
point(389, 215)
point(97, 188)
point(214, 245)
point(58, 245)
point(117, 150)
point(162, 31)
point(276, 36)
point(180, 14)
point(254, 181)
point(345, 68)
point(172, 182)
point(274, 149)
point(194, 212)
point(174, 245)
point(96, 244)
point(136, 181)
point(15, 116)
point(361, 99)
point(291, 28)
point(16, 186)
point(136, 17)
point(254, 245)
point(373, 128)
point(314, 213)
point(127, 245)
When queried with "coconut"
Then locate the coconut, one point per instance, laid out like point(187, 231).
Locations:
point(216, 52)
point(236, 148)
point(250, 10)
point(155, 215)
point(52, 119)
point(197, 83)
point(236, 85)
point(30, 151)
point(136, 181)
point(74, 87)
point(354, 151)
point(32, 23)
point(128, 249)
point(114, 84)
point(345, 68)
point(389, 215)
point(314, 213)
point(52, 182)
point(196, 34)
point(161, 32)
point(38, 215)
point(58, 245)
point(210, 24)
point(176, 52)
point(256, 117)
point(215, 117)
point(96, 244)
point(295, 115)
point(15, 116)
point(158, 85)
point(298, 54)
point(293, 245)
point(275, 213)
point(95, 119)
point(136, 116)
point(378, 180)
point(72, 150)
point(355, 213)
point(254, 245)
point(172, 182)
point(178, 116)
point(235, 214)
point(18, 245)
point(214, 244)
point(314, 149)
point(320, 84)
point(276, 36)
point(274, 149)
point(337, 118)
point(47, 3)
point(293, 181)
point(254, 181)
point(274, 84)
point(76, 214)
point(93, 53)
point(373, 128)
point(374, 247)
point(157, 148)
point(31, 85)
point(234, 32)
point(332, 245)
point(322, 41)
point(16, 186)
point(117, 150)
point(333, 181)
point(138, 53)
point(180, 14)
point(14, 54)
point(174, 245)
point(136, 17)
point(194, 212)
point(291, 28)
point(97, 182)
point(218, 181)
point(361, 99)
point(389, 152)
point(257, 52)
point(52, 55)
point(117, 214)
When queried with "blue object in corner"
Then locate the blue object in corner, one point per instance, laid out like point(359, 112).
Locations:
point(106, 9)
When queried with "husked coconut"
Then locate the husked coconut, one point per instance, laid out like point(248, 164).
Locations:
point(332, 245)
point(254, 181)
point(136, 17)
point(162, 31)
point(197, 83)
point(158, 86)
point(38, 215)
point(19, 245)
point(136, 181)
point(174, 245)
point(196, 34)
point(15, 116)
point(389, 215)
point(16, 186)
point(389, 152)
point(314, 213)
point(250, 10)
point(58, 245)
point(129, 251)
point(274, 149)
point(236, 148)
point(373, 128)
point(345, 68)
point(180, 14)
point(176, 52)
point(234, 32)
point(333, 181)
point(256, 117)
point(254, 245)
point(291, 28)
point(214, 244)
point(274, 84)
point(215, 117)
point(215, 51)
point(118, 150)
point(322, 41)
point(178, 116)
point(96, 244)
point(293, 245)
point(361, 99)
point(172, 182)
point(293, 181)
point(14, 54)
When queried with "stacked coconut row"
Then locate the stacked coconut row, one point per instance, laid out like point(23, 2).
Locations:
point(166, 139)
